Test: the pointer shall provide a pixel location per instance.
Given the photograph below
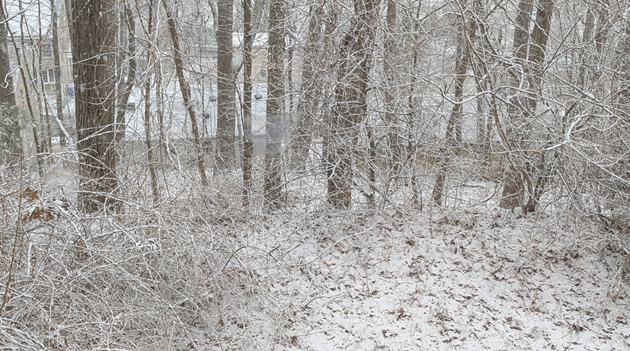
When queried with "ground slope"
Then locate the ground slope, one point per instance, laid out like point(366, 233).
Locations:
point(439, 281)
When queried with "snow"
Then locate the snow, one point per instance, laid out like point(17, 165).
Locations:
point(477, 281)
point(197, 272)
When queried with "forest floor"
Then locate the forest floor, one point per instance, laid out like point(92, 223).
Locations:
point(205, 276)
point(432, 280)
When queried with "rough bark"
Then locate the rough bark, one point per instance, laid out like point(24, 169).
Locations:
point(226, 98)
point(351, 104)
point(9, 134)
point(275, 105)
point(529, 51)
point(6, 79)
point(513, 184)
point(248, 145)
point(93, 54)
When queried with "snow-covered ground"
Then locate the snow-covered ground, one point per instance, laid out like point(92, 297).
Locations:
point(198, 273)
point(465, 280)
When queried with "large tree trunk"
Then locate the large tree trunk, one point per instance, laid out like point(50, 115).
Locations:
point(513, 184)
point(93, 53)
point(275, 105)
point(351, 104)
point(185, 89)
point(9, 132)
point(248, 145)
point(529, 49)
point(226, 94)
point(6, 79)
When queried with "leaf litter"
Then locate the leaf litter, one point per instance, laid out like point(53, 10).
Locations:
point(460, 280)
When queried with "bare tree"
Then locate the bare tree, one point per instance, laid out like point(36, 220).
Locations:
point(412, 145)
point(226, 90)
point(9, 125)
point(309, 101)
point(248, 145)
point(93, 53)
point(42, 100)
point(480, 59)
point(275, 104)
point(26, 77)
point(150, 59)
point(127, 64)
point(529, 55)
point(466, 34)
point(6, 79)
point(389, 93)
point(57, 62)
point(185, 90)
point(351, 105)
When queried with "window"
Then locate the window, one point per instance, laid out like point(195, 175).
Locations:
point(47, 50)
point(48, 76)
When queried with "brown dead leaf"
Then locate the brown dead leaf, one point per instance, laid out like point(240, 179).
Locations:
point(7, 297)
point(30, 195)
point(81, 249)
point(37, 213)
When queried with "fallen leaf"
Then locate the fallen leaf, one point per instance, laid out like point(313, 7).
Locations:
point(30, 195)
point(7, 297)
